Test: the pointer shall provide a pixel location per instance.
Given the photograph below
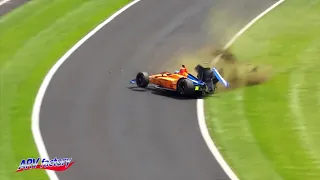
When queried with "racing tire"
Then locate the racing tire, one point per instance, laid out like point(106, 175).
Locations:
point(185, 87)
point(142, 79)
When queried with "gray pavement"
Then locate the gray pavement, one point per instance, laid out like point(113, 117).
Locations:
point(116, 133)
point(11, 5)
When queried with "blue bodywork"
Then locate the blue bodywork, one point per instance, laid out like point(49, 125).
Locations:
point(220, 78)
point(195, 80)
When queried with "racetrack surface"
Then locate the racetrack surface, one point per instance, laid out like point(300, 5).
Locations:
point(10, 5)
point(117, 133)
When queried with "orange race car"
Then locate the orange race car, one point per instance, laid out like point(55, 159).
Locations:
point(183, 83)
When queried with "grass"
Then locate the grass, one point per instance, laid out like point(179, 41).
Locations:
point(271, 131)
point(33, 37)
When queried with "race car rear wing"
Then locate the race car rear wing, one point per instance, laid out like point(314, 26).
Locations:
point(220, 78)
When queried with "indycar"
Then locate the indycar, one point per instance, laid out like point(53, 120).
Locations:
point(184, 85)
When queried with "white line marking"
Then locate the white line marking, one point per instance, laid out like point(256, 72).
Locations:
point(297, 77)
point(38, 101)
point(3, 2)
point(200, 107)
point(245, 28)
point(200, 110)
point(212, 147)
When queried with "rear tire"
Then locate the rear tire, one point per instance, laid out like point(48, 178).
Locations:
point(185, 87)
point(142, 79)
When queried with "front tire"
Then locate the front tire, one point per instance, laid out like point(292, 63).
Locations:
point(142, 79)
point(185, 87)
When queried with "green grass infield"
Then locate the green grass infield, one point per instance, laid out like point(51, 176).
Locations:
point(272, 130)
point(33, 37)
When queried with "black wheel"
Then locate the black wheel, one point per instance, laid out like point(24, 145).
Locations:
point(185, 87)
point(142, 79)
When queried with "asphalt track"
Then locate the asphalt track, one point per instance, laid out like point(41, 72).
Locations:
point(10, 5)
point(117, 133)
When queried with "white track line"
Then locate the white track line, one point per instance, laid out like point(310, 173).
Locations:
point(200, 107)
point(38, 101)
point(3, 2)
point(200, 110)
point(245, 28)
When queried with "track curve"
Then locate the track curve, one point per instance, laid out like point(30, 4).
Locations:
point(113, 132)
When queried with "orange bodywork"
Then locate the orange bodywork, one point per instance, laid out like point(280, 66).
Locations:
point(166, 80)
